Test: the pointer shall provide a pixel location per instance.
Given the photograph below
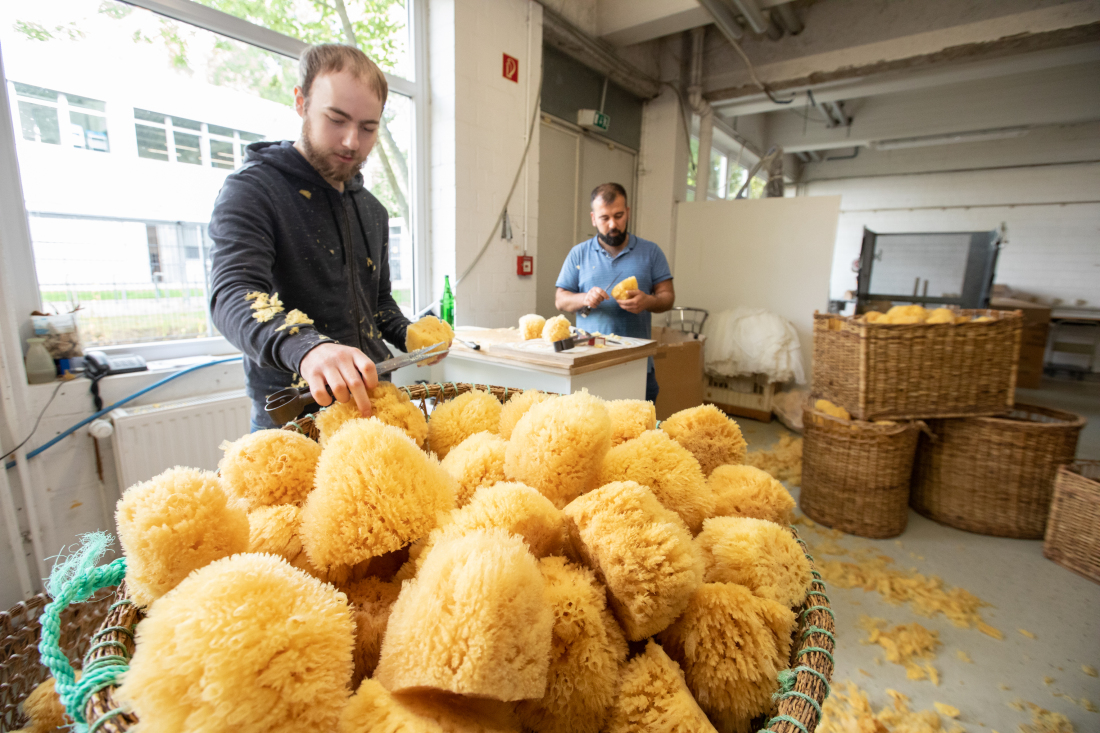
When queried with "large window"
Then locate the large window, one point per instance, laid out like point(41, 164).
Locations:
point(728, 173)
point(127, 123)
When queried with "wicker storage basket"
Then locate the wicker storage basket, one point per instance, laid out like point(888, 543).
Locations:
point(811, 653)
point(20, 632)
point(1073, 530)
point(902, 372)
point(994, 475)
point(855, 476)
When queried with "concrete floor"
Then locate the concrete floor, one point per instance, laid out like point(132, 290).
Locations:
point(1024, 589)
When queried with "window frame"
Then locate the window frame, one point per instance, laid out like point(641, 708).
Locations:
point(13, 206)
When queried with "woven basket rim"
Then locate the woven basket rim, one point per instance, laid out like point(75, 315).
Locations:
point(1079, 466)
point(996, 315)
point(1065, 419)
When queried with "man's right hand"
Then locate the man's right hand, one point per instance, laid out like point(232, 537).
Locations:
point(347, 371)
point(594, 297)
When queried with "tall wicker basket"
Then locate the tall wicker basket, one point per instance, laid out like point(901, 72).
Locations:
point(1073, 530)
point(855, 475)
point(812, 650)
point(994, 475)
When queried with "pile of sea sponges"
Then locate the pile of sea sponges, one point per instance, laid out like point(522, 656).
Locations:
point(566, 566)
point(909, 314)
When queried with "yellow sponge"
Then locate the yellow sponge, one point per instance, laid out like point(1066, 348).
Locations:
point(516, 408)
point(530, 326)
point(619, 291)
point(376, 492)
point(558, 445)
point(475, 462)
point(274, 529)
point(745, 491)
point(388, 403)
point(731, 645)
point(630, 418)
point(830, 409)
point(556, 329)
point(653, 698)
point(374, 709)
point(172, 524)
point(474, 621)
point(269, 467)
point(43, 707)
point(371, 600)
point(587, 649)
point(641, 551)
point(709, 434)
point(245, 644)
point(428, 331)
point(455, 420)
point(760, 555)
point(941, 315)
point(673, 474)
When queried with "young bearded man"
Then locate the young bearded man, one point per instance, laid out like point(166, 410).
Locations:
point(595, 266)
point(296, 220)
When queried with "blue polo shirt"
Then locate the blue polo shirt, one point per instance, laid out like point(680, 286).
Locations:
point(590, 266)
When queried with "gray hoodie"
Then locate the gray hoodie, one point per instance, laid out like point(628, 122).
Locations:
point(278, 226)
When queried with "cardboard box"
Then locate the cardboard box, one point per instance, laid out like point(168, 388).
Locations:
point(1033, 339)
point(679, 365)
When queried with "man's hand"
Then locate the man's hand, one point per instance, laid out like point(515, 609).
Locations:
point(347, 371)
point(635, 301)
point(595, 296)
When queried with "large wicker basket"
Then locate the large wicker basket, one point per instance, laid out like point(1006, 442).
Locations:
point(902, 372)
point(994, 475)
point(1073, 530)
point(855, 475)
point(812, 642)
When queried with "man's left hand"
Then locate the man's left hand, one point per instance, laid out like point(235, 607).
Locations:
point(635, 301)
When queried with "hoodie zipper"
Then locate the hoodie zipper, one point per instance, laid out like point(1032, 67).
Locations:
point(353, 280)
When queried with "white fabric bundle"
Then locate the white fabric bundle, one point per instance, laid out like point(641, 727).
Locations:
point(747, 341)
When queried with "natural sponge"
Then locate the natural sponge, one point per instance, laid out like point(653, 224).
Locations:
point(655, 460)
point(731, 645)
point(455, 420)
point(556, 329)
point(587, 649)
point(374, 709)
point(428, 331)
point(244, 644)
point(711, 437)
point(619, 291)
point(475, 462)
point(760, 555)
point(172, 524)
point(473, 621)
point(746, 491)
point(388, 403)
point(269, 467)
point(530, 326)
point(516, 408)
point(630, 418)
point(653, 698)
point(274, 529)
point(558, 445)
point(43, 707)
point(641, 551)
point(371, 600)
point(376, 492)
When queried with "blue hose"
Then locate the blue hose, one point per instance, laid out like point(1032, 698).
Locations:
point(120, 403)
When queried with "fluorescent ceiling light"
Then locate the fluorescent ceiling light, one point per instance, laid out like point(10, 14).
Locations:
point(961, 137)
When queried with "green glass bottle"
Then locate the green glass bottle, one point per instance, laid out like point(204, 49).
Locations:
point(447, 303)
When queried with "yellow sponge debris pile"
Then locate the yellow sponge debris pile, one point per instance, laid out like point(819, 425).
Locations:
point(246, 643)
point(653, 697)
point(630, 418)
point(746, 491)
point(428, 331)
point(473, 621)
point(556, 329)
point(388, 403)
point(530, 326)
point(269, 467)
point(172, 524)
point(376, 492)
point(455, 420)
point(516, 408)
point(475, 462)
point(641, 551)
point(830, 409)
point(619, 291)
point(712, 438)
point(760, 555)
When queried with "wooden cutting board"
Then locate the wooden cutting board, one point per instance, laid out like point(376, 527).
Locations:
point(506, 344)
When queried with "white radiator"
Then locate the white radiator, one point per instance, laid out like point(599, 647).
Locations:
point(151, 438)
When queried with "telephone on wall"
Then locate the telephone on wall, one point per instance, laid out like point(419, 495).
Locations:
point(98, 364)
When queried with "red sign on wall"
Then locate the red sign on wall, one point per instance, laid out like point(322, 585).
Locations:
point(511, 68)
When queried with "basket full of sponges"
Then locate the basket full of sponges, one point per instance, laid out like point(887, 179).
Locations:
point(495, 561)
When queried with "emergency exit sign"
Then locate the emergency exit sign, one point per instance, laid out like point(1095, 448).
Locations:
point(511, 68)
point(591, 119)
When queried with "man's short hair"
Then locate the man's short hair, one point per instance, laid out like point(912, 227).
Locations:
point(608, 192)
point(331, 58)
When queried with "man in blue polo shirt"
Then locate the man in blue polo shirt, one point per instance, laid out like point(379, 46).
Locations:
point(594, 267)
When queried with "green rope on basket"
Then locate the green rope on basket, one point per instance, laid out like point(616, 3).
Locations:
point(817, 593)
point(75, 579)
point(804, 696)
point(787, 719)
point(818, 630)
point(826, 609)
point(828, 654)
point(820, 675)
point(104, 718)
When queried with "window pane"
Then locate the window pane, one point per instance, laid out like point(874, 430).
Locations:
point(185, 123)
point(251, 137)
point(219, 130)
point(715, 180)
point(392, 152)
point(39, 123)
point(187, 148)
point(92, 132)
point(86, 103)
point(26, 90)
point(152, 142)
point(141, 114)
point(221, 155)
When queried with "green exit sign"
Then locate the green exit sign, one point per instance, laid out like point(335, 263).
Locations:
point(592, 119)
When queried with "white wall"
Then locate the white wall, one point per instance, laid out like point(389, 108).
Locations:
point(1052, 214)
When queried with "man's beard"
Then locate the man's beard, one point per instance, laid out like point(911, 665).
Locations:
point(321, 160)
point(613, 238)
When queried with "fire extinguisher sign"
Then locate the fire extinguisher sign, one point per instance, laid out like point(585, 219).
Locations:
point(511, 68)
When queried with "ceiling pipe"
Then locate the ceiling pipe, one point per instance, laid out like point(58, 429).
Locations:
point(701, 107)
point(724, 19)
point(787, 18)
point(775, 31)
point(753, 15)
